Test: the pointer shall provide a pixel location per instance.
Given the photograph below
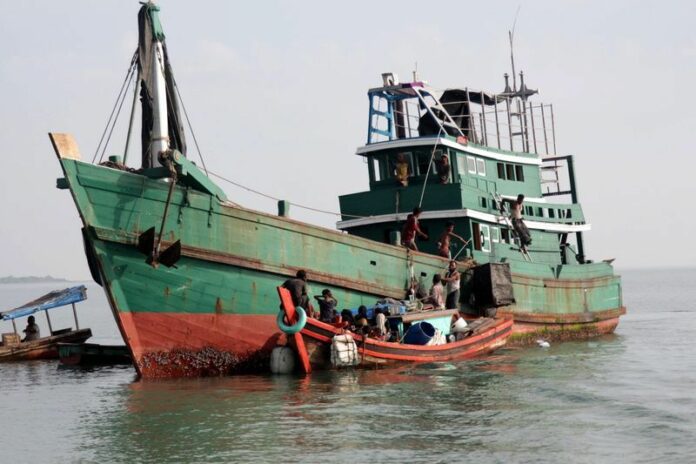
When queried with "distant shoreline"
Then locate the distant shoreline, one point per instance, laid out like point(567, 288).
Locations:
point(30, 279)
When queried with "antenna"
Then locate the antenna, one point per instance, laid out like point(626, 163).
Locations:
point(415, 72)
point(511, 36)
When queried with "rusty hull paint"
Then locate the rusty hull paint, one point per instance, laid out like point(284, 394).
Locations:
point(193, 345)
point(525, 333)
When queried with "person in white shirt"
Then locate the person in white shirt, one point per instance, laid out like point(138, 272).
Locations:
point(452, 279)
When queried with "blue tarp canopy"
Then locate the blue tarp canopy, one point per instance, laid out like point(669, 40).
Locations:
point(54, 299)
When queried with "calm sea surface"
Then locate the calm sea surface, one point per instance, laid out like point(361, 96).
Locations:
point(629, 397)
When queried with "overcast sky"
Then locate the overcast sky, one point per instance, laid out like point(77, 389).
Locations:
point(277, 96)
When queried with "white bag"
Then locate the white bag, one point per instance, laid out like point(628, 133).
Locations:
point(344, 351)
point(438, 339)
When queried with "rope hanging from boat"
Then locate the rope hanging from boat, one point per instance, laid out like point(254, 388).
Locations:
point(117, 108)
point(427, 173)
point(190, 126)
point(271, 197)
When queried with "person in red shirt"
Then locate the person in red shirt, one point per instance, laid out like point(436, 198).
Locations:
point(411, 229)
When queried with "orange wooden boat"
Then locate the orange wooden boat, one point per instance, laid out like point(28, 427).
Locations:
point(313, 341)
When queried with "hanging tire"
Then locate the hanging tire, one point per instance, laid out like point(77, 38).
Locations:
point(297, 326)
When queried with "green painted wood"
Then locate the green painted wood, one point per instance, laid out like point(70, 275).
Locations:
point(116, 206)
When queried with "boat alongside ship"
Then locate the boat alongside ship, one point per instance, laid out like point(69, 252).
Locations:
point(14, 348)
point(321, 345)
point(191, 277)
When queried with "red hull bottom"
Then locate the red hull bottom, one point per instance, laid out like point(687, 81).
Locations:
point(194, 345)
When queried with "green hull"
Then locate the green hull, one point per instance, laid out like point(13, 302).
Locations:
point(215, 312)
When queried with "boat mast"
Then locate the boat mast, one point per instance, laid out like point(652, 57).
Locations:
point(161, 121)
point(159, 138)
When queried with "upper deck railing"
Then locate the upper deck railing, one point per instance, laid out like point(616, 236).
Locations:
point(506, 121)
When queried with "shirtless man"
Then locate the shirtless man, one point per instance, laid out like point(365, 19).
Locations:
point(411, 229)
point(443, 245)
point(518, 224)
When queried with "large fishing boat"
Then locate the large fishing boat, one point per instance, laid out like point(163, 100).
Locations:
point(191, 277)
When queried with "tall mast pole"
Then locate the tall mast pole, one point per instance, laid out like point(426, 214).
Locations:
point(159, 138)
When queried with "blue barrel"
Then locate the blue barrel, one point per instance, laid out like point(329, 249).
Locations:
point(419, 333)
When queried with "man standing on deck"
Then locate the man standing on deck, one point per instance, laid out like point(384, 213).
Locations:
point(443, 245)
point(298, 291)
point(411, 229)
point(518, 223)
point(452, 279)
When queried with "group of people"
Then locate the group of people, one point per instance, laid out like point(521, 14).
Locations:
point(328, 311)
point(402, 169)
point(411, 230)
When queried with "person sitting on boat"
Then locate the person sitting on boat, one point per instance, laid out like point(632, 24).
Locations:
point(452, 279)
point(32, 330)
point(327, 306)
point(443, 245)
point(518, 223)
point(443, 169)
point(381, 322)
point(347, 318)
point(411, 229)
point(361, 319)
point(402, 170)
point(298, 291)
point(437, 291)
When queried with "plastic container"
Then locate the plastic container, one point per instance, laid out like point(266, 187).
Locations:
point(282, 360)
point(459, 326)
point(419, 333)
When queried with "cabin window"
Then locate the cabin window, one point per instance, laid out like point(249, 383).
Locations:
point(519, 173)
point(376, 170)
point(471, 164)
point(540, 212)
point(485, 238)
point(501, 171)
point(569, 213)
point(484, 203)
point(510, 171)
point(461, 166)
point(530, 210)
point(552, 213)
point(423, 160)
point(476, 234)
point(495, 235)
point(480, 167)
point(505, 235)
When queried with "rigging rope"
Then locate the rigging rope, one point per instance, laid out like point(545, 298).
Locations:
point(432, 157)
point(188, 121)
point(118, 113)
point(108, 122)
point(271, 197)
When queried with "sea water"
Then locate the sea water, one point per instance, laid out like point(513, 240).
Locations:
point(628, 397)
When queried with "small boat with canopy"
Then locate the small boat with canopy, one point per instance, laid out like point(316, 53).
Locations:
point(15, 348)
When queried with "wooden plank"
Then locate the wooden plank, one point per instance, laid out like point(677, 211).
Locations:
point(291, 314)
point(65, 146)
point(419, 316)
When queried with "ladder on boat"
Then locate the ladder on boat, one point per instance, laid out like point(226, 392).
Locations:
point(506, 217)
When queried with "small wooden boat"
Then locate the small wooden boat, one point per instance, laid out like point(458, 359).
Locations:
point(92, 354)
point(314, 339)
point(13, 348)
